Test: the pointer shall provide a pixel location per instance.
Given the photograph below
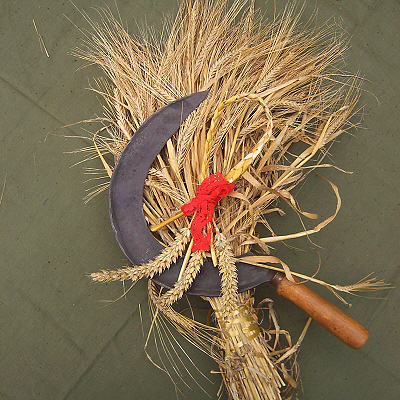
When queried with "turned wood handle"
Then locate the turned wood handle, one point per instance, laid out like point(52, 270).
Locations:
point(332, 318)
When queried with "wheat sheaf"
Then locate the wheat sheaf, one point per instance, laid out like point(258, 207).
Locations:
point(272, 84)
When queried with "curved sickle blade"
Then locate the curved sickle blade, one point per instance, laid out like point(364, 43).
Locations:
point(126, 201)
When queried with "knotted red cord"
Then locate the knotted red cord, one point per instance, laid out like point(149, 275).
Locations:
point(208, 194)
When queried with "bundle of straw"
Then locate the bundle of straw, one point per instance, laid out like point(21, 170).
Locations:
point(271, 85)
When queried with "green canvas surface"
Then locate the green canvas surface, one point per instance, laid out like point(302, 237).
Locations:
point(59, 339)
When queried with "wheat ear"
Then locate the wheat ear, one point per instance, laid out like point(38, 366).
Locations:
point(183, 284)
point(163, 261)
point(228, 272)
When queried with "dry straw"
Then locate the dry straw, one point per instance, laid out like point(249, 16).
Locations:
point(271, 84)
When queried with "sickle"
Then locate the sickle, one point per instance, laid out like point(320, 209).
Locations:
point(126, 202)
point(139, 245)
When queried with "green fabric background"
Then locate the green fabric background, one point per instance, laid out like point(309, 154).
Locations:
point(58, 340)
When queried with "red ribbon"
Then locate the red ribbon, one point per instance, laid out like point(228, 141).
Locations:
point(208, 194)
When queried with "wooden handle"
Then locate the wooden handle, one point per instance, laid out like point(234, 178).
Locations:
point(332, 318)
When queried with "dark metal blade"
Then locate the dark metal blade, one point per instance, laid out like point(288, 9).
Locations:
point(127, 181)
point(126, 202)
point(208, 281)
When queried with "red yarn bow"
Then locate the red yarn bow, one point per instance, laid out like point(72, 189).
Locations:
point(208, 194)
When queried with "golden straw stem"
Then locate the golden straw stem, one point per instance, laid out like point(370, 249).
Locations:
point(212, 251)
point(186, 260)
point(166, 222)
